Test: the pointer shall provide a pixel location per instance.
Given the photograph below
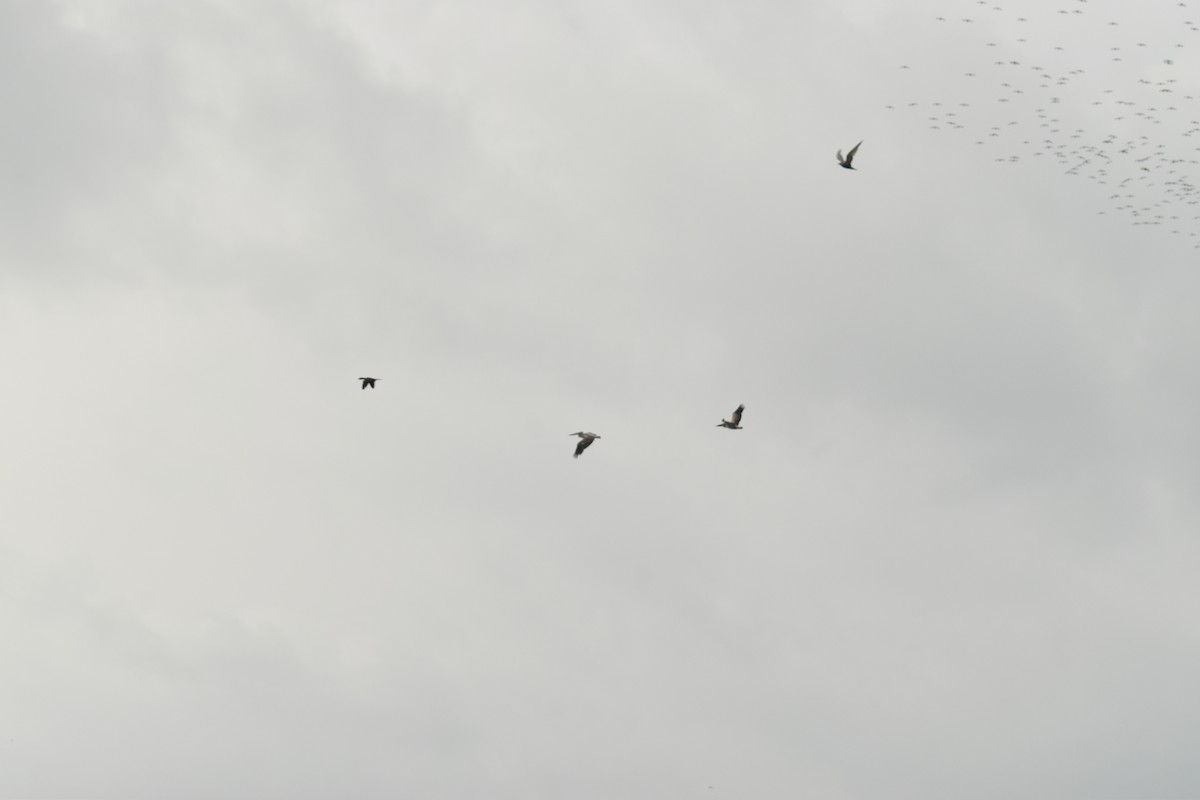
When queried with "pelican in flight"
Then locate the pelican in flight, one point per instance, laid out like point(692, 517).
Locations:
point(735, 420)
point(368, 382)
point(845, 162)
point(585, 441)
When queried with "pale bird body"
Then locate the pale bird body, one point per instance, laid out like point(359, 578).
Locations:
point(735, 419)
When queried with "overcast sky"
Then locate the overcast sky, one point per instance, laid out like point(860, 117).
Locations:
point(953, 553)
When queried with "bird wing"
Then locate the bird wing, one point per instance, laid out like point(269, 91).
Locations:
point(840, 159)
point(583, 445)
point(736, 419)
point(853, 150)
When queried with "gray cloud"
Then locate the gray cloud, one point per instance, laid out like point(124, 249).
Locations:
point(950, 554)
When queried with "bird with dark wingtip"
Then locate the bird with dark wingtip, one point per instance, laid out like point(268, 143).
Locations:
point(585, 441)
point(845, 163)
point(734, 423)
point(368, 382)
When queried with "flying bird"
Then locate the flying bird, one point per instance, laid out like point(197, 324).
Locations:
point(585, 441)
point(735, 419)
point(845, 162)
point(368, 382)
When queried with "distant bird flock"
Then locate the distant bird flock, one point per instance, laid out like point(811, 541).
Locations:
point(1104, 99)
point(586, 438)
point(1148, 175)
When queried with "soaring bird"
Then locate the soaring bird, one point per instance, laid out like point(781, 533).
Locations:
point(735, 420)
point(585, 441)
point(368, 382)
point(845, 162)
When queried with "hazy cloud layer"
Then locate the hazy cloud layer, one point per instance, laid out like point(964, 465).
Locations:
point(951, 554)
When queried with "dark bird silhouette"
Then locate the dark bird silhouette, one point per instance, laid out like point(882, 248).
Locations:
point(846, 162)
point(368, 382)
point(585, 441)
point(735, 419)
